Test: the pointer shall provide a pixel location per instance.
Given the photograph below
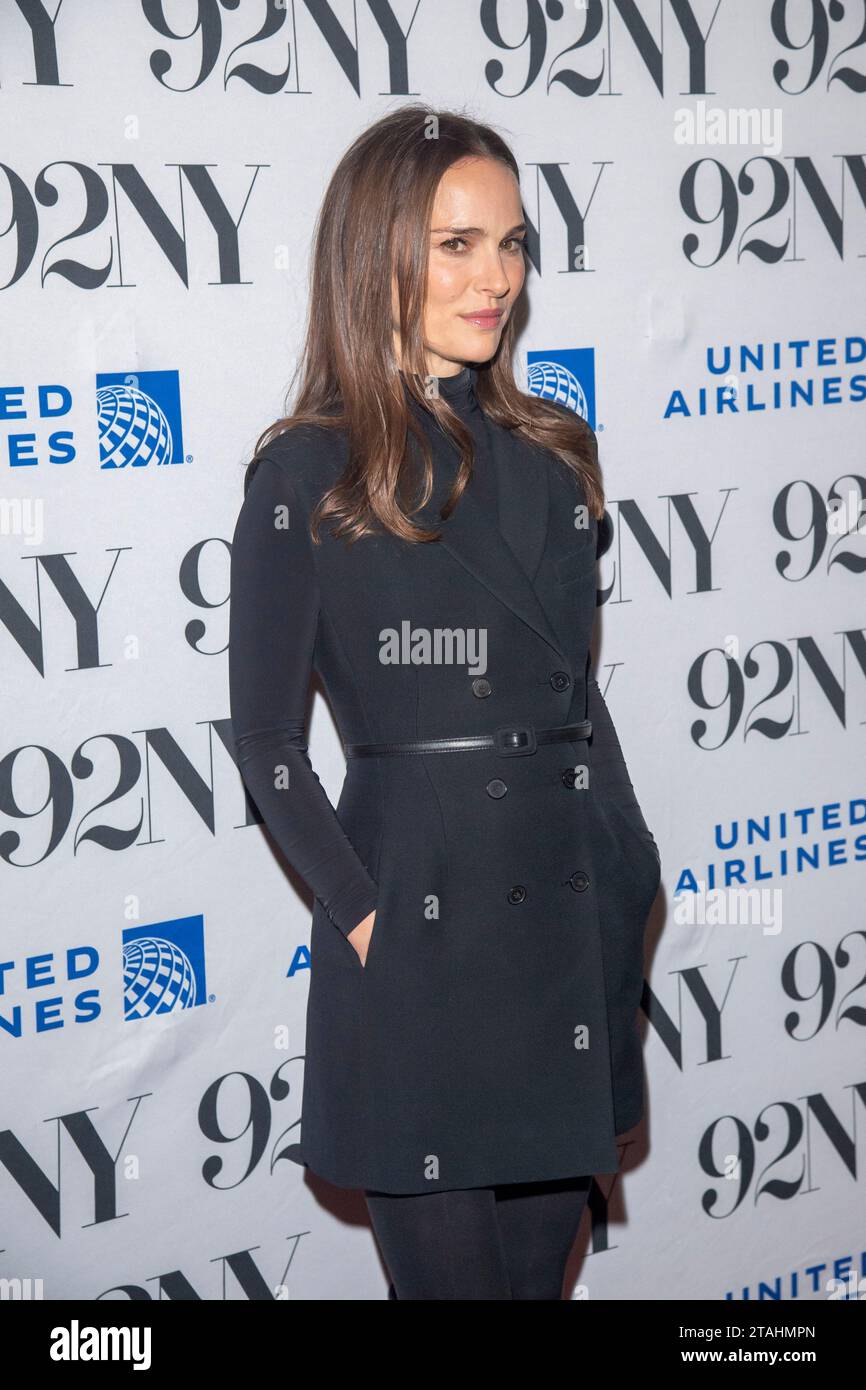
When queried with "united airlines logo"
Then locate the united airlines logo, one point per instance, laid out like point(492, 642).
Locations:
point(565, 377)
point(797, 371)
point(163, 967)
point(139, 419)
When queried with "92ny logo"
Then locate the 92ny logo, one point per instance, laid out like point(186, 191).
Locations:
point(664, 45)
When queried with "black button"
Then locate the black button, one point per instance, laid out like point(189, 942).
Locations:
point(569, 776)
point(496, 788)
point(481, 687)
point(517, 893)
point(579, 881)
point(560, 680)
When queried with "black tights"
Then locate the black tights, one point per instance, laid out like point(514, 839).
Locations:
point(509, 1242)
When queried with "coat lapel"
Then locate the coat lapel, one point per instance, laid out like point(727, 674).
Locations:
point(503, 558)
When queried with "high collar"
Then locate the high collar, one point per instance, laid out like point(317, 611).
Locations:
point(458, 390)
point(459, 386)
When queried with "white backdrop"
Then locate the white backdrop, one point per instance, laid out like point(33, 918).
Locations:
point(701, 281)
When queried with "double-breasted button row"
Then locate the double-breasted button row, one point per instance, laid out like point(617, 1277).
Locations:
point(579, 882)
point(497, 788)
point(481, 687)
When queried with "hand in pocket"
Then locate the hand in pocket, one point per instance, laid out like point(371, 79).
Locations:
point(360, 936)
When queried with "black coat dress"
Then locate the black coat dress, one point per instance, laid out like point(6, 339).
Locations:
point(492, 1036)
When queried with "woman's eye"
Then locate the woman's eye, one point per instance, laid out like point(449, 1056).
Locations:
point(452, 243)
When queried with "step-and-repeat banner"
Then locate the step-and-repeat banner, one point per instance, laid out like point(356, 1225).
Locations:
point(693, 177)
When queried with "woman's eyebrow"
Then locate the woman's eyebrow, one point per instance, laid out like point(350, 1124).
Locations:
point(475, 231)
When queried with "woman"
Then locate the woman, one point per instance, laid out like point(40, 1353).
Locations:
point(424, 536)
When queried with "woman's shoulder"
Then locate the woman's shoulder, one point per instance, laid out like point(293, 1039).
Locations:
point(580, 423)
point(309, 456)
point(567, 481)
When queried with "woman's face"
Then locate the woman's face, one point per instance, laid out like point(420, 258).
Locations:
point(476, 265)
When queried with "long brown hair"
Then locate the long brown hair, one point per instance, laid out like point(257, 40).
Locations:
point(374, 224)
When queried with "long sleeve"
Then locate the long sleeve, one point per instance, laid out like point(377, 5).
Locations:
point(606, 747)
point(272, 632)
point(605, 741)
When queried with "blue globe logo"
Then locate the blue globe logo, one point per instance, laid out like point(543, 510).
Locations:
point(552, 382)
point(132, 428)
point(157, 978)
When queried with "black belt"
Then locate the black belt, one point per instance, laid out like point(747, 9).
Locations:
point(510, 741)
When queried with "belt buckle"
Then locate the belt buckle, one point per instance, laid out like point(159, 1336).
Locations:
point(514, 740)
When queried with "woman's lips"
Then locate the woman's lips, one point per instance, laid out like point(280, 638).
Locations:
point(491, 319)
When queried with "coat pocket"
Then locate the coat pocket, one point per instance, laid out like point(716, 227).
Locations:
point(375, 935)
point(372, 944)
